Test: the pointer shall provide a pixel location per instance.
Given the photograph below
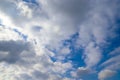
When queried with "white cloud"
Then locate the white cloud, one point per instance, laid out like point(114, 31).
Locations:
point(21, 59)
point(24, 9)
point(97, 30)
point(23, 63)
point(7, 33)
point(58, 19)
point(61, 67)
point(65, 50)
point(92, 55)
point(104, 74)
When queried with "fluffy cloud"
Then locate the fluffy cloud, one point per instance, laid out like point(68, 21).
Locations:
point(97, 30)
point(7, 33)
point(22, 59)
point(59, 19)
point(74, 10)
point(12, 50)
point(106, 74)
point(21, 56)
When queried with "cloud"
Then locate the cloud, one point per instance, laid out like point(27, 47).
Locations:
point(13, 49)
point(7, 33)
point(58, 17)
point(22, 62)
point(47, 25)
point(25, 10)
point(22, 59)
point(104, 74)
point(93, 55)
point(97, 30)
point(82, 73)
point(62, 67)
point(74, 9)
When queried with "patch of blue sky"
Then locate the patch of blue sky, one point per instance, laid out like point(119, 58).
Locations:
point(36, 28)
point(89, 77)
point(21, 34)
point(76, 53)
point(54, 59)
point(31, 1)
point(75, 56)
point(0, 21)
point(1, 25)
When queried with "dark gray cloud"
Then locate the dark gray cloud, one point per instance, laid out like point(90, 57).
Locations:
point(13, 50)
point(67, 10)
point(69, 7)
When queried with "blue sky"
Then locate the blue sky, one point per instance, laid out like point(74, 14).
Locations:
point(59, 40)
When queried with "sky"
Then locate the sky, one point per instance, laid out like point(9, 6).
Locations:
point(59, 39)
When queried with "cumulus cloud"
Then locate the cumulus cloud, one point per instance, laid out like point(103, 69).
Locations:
point(104, 74)
point(21, 56)
point(22, 59)
point(13, 49)
point(59, 19)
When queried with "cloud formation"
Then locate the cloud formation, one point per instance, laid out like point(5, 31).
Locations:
point(36, 39)
point(13, 50)
point(106, 74)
